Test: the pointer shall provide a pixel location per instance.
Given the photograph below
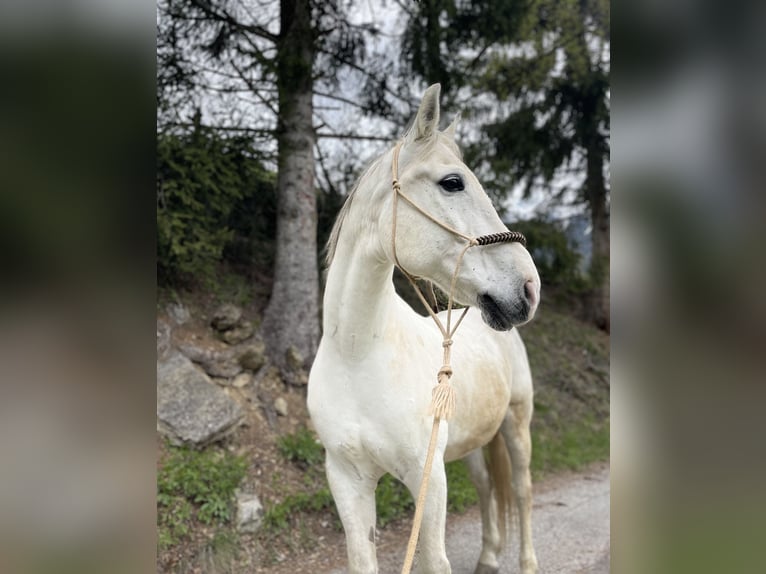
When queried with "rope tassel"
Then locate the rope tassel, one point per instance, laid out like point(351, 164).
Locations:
point(443, 396)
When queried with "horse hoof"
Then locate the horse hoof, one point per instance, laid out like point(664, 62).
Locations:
point(484, 569)
point(529, 566)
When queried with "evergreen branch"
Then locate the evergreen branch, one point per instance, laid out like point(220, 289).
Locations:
point(342, 100)
point(354, 66)
point(256, 92)
point(224, 16)
point(271, 133)
point(353, 137)
point(235, 129)
point(405, 8)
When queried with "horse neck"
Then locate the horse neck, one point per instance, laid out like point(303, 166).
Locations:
point(359, 298)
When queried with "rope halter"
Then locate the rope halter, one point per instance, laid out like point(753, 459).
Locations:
point(443, 395)
point(443, 400)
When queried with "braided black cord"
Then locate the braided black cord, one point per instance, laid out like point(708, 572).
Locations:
point(504, 237)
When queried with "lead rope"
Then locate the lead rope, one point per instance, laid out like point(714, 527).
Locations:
point(443, 395)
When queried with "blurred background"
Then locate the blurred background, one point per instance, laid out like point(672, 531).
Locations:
point(142, 174)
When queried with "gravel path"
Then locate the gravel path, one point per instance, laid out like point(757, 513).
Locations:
point(570, 523)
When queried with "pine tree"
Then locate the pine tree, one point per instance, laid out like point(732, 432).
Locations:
point(225, 51)
point(546, 64)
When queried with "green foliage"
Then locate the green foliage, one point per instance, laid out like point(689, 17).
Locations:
point(195, 484)
point(439, 31)
point(222, 550)
point(174, 514)
point(392, 500)
point(560, 85)
point(533, 76)
point(461, 493)
point(301, 447)
point(278, 517)
point(212, 195)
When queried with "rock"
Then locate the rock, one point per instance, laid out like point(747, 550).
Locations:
point(301, 378)
point(280, 405)
point(226, 317)
point(294, 372)
point(179, 313)
point(216, 361)
point(242, 380)
point(220, 381)
point(191, 410)
point(252, 356)
point(296, 378)
point(238, 334)
point(164, 334)
point(249, 512)
point(293, 359)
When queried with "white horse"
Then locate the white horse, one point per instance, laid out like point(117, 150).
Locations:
point(370, 386)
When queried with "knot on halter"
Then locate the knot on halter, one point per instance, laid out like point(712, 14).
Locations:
point(447, 343)
point(396, 185)
point(445, 371)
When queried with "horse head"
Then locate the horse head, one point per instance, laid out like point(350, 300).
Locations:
point(445, 208)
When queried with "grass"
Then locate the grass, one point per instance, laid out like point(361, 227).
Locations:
point(221, 552)
point(570, 366)
point(195, 485)
point(569, 448)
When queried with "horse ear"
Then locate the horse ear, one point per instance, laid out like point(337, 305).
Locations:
point(452, 128)
point(427, 120)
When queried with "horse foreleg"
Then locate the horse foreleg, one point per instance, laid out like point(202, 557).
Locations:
point(354, 495)
point(432, 555)
point(490, 534)
point(515, 429)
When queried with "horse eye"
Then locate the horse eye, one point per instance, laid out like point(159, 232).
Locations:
point(452, 183)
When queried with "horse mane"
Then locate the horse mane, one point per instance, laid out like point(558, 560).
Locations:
point(421, 154)
point(332, 241)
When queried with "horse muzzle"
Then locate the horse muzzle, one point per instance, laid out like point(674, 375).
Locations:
point(504, 313)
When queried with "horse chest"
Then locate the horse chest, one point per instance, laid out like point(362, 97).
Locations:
point(366, 404)
point(481, 405)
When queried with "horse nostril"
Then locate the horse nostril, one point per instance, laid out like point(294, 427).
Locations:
point(530, 293)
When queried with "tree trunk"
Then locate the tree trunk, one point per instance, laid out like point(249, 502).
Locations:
point(291, 319)
point(598, 304)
